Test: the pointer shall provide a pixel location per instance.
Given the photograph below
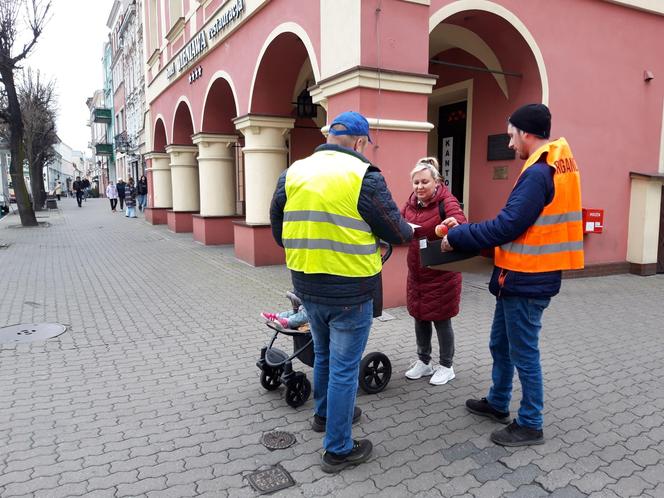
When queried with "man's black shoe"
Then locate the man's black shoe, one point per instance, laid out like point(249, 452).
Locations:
point(482, 407)
point(517, 435)
point(331, 462)
point(318, 423)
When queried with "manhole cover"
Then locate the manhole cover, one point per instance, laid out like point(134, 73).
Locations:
point(270, 480)
point(277, 440)
point(30, 332)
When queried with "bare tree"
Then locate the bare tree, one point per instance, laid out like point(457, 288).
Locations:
point(13, 24)
point(38, 107)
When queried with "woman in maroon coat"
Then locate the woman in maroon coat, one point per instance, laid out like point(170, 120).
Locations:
point(432, 296)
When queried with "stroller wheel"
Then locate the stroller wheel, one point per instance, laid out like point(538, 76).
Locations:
point(271, 380)
point(375, 372)
point(298, 392)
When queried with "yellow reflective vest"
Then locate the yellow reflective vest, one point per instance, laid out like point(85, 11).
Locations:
point(555, 240)
point(323, 232)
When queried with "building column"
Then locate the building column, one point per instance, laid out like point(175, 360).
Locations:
point(184, 182)
point(160, 191)
point(216, 172)
point(265, 157)
point(644, 222)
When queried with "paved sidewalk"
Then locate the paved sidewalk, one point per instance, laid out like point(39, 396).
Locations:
point(153, 389)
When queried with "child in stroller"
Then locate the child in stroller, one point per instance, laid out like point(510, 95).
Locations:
point(276, 365)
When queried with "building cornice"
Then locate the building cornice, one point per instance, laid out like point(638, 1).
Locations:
point(652, 6)
point(369, 77)
point(154, 57)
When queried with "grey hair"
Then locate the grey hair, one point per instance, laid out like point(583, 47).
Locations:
point(427, 164)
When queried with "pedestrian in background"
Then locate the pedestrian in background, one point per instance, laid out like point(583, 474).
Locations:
point(536, 235)
point(432, 296)
point(78, 189)
point(142, 188)
point(112, 194)
point(130, 198)
point(328, 212)
point(86, 189)
point(121, 192)
point(58, 190)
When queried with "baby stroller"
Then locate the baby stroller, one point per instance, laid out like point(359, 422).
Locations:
point(277, 366)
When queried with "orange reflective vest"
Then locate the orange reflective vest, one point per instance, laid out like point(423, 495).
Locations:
point(555, 240)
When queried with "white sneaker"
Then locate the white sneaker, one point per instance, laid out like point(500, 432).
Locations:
point(419, 369)
point(442, 375)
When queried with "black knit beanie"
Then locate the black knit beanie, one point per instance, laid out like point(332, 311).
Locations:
point(532, 118)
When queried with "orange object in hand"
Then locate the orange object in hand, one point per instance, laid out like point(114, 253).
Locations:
point(441, 230)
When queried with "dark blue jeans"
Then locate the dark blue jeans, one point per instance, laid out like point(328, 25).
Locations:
point(514, 343)
point(340, 335)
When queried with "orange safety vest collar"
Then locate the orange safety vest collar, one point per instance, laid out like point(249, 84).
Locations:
point(555, 240)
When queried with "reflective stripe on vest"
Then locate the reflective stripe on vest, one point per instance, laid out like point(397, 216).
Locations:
point(323, 232)
point(555, 240)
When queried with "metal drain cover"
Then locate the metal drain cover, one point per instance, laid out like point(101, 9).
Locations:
point(277, 440)
point(270, 480)
point(30, 332)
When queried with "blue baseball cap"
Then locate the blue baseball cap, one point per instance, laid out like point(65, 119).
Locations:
point(355, 124)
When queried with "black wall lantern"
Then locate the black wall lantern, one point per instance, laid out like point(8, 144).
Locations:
point(305, 105)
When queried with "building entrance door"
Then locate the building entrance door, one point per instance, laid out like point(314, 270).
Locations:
point(452, 146)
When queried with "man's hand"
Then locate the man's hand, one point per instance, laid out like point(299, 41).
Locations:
point(445, 245)
point(450, 222)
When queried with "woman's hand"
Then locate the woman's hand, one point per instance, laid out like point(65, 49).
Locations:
point(450, 222)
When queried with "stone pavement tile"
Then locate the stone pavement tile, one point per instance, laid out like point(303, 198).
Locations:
point(523, 475)
point(66, 491)
point(567, 492)
point(654, 474)
point(180, 491)
point(594, 481)
point(553, 461)
point(460, 451)
point(655, 492)
point(398, 491)
point(556, 479)
point(141, 487)
point(630, 486)
point(646, 457)
point(621, 468)
point(492, 489)
point(33, 486)
point(520, 458)
point(459, 467)
point(458, 485)
point(490, 472)
point(527, 491)
point(581, 449)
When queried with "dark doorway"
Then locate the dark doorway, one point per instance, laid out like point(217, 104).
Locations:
point(660, 242)
point(452, 146)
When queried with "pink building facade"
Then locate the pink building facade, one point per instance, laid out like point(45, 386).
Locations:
point(434, 77)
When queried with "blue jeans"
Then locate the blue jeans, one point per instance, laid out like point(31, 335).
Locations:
point(514, 342)
point(295, 319)
point(340, 335)
point(130, 212)
point(142, 201)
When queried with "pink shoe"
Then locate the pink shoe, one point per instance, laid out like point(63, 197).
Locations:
point(272, 317)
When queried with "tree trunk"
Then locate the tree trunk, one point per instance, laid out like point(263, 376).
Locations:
point(25, 211)
point(37, 185)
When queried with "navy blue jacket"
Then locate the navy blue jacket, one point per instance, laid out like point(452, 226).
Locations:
point(532, 192)
point(377, 208)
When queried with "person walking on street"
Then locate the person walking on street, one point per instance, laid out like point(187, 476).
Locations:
point(130, 198)
point(536, 235)
point(112, 194)
point(432, 296)
point(86, 189)
point(142, 189)
point(78, 188)
point(58, 189)
point(328, 212)
point(121, 192)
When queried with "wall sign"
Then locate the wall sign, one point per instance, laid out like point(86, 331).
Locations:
point(199, 43)
point(448, 157)
point(498, 148)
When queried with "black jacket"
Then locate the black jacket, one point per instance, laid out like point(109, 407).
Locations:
point(142, 187)
point(377, 208)
point(121, 189)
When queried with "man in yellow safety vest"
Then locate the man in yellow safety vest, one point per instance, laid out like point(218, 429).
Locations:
point(329, 211)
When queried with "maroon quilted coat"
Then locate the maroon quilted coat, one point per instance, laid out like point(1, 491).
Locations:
point(431, 294)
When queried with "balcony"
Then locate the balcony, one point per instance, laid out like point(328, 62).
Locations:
point(101, 115)
point(104, 149)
